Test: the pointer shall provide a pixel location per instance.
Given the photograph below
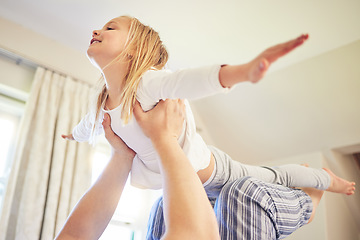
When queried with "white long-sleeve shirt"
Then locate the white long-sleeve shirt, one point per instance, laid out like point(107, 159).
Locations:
point(154, 86)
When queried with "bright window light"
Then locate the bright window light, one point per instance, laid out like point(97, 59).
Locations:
point(7, 129)
point(117, 232)
point(100, 159)
point(130, 205)
point(130, 218)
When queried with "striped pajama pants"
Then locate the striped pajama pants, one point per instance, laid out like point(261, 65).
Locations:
point(250, 209)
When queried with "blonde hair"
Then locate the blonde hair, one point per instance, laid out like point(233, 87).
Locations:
point(143, 51)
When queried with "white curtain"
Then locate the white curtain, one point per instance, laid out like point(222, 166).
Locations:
point(49, 174)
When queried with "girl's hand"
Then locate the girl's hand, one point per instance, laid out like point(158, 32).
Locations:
point(117, 144)
point(67, 137)
point(259, 66)
point(255, 70)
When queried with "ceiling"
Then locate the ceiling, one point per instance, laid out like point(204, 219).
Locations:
point(201, 32)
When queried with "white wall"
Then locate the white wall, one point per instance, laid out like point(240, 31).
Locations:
point(337, 214)
point(317, 229)
point(46, 52)
point(15, 82)
point(307, 107)
point(14, 76)
point(343, 216)
point(334, 112)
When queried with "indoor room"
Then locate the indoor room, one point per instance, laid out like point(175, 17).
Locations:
point(305, 110)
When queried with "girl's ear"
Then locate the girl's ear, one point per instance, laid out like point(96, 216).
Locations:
point(129, 56)
point(130, 52)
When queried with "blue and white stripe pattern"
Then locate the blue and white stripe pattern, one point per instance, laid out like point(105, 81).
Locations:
point(156, 223)
point(250, 209)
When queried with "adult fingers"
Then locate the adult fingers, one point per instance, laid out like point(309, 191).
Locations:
point(107, 126)
point(138, 111)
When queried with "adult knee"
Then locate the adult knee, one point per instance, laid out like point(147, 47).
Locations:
point(237, 188)
point(156, 222)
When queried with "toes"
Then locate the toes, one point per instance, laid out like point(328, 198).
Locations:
point(351, 191)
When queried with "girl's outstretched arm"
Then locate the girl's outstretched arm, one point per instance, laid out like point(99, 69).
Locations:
point(254, 70)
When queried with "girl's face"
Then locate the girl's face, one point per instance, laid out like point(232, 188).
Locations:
point(108, 42)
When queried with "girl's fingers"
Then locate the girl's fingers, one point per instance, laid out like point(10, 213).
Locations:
point(67, 137)
point(273, 53)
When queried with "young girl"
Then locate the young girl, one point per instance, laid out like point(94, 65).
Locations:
point(131, 57)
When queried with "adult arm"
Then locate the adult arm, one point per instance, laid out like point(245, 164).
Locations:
point(187, 211)
point(95, 209)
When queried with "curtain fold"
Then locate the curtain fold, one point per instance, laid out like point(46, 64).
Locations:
point(49, 174)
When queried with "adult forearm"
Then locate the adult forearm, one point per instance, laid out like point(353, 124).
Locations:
point(185, 201)
point(95, 209)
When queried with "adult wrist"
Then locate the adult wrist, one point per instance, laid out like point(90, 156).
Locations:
point(124, 155)
point(163, 139)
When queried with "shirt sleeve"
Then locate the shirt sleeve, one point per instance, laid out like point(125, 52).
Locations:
point(82, 131)
point(185, 84)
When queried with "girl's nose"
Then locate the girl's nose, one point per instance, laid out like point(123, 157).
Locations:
point(96, 33)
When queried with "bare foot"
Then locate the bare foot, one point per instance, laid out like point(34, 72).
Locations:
point(340, 185)
point(315, 195)
point(305, 164)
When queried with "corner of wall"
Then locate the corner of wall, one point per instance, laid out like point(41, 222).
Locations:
point(343, 212)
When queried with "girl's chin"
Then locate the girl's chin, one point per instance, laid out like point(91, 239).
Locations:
point(89, 53)
point(93, 62)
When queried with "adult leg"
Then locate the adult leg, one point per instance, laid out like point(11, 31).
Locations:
point(251, 209)
point(315, 195)
point(156, 222)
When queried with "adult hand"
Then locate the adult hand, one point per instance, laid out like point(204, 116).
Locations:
point(117, 144)
point(165, 119)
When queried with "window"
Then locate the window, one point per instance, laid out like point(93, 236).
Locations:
point(132, 213)
point(130, 219)
point(15, 84)
point(11, 111)
point(8, 127)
